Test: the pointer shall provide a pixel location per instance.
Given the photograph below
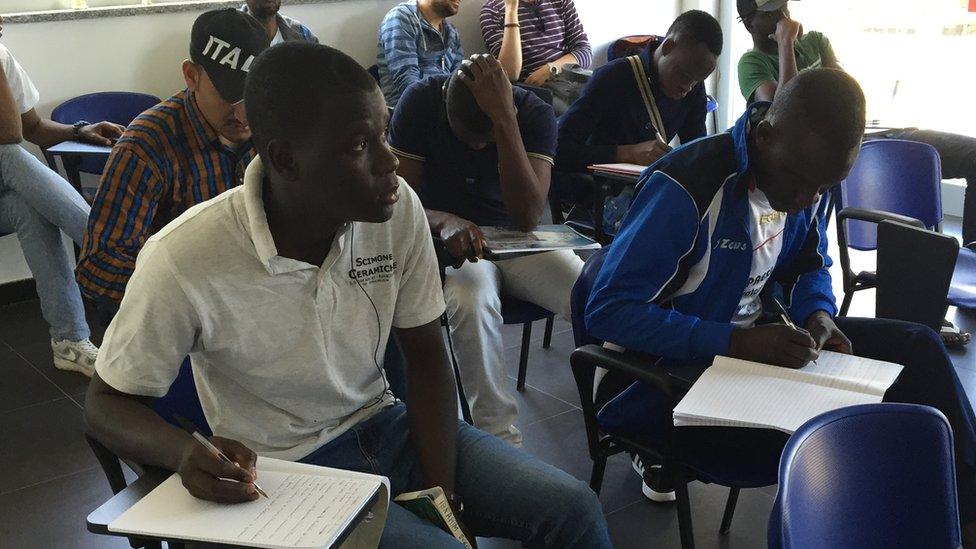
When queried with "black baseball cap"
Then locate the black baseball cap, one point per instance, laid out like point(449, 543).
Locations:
point(748, 7)
point(225, 42)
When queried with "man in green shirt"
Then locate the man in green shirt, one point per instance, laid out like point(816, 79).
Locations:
point(781, 50)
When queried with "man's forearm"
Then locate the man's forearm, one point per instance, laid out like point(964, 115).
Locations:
point(128, 427)
point(432, 394)
point(10, 124)
point(510, 55)
point(45, 133)
point(522, 192)
point(787, 64)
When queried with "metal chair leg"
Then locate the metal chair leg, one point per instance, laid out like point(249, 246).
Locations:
point(729, 510)
point(465, 409)
point(524, 355)
point(685, 526)
point(547, 336)
point(596, 475)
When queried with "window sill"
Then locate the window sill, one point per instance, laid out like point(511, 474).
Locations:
point(125, 11)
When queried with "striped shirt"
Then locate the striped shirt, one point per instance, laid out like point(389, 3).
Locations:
point(410, 49)
point(168, 159)
point(549, 30)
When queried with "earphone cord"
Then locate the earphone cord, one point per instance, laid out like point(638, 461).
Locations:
point(379, 328)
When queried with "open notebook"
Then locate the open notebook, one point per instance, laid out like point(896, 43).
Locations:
point(308, 507)
point(739, 393)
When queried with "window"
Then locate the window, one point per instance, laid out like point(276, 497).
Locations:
point(9, 7)
point(913, 59)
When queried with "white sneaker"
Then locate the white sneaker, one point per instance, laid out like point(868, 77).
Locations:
point(651, 493)
point(75, 356)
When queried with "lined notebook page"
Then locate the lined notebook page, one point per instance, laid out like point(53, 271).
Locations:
point(854, 373)
point(304, 510)
point(738, 393)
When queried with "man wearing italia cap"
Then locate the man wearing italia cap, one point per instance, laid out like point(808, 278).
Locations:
point(185, 150)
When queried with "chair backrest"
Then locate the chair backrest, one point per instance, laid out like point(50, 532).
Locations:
point(915, 268)
point(629, 45)
point(869, 476)
point(896, 176)
point(182, 399)
point(581, 294)
point(118, 107)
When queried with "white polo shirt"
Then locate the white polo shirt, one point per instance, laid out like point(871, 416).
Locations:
point(24, 92)
point(282, 350)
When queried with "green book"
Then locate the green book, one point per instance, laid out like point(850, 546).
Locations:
point(432, 505)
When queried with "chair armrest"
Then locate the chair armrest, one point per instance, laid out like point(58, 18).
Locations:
point(637, 365)
point(877, 216)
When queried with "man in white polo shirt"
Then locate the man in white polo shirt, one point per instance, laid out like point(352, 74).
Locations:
point(282, 291)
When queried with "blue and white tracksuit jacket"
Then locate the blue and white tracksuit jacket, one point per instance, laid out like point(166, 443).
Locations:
point(676, 271)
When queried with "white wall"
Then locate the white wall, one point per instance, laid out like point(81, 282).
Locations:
point(143, 53)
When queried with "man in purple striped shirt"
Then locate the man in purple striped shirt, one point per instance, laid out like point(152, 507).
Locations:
point(533, 39)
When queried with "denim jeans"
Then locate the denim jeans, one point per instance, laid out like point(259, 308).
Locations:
point(37, 204)
point(958, 155)
point(506, 492)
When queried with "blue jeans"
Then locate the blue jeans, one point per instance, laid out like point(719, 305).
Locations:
point(506, 492)
point(37, 204)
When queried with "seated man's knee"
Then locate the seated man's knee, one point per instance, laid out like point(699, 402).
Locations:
point(464, 293)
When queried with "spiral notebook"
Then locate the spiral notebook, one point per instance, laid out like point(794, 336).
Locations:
point(739, 393)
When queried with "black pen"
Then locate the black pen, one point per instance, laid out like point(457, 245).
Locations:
point(786, 320)
point(192, 429)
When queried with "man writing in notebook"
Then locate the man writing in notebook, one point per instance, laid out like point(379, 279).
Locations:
point(282, 291)
point(713, 224)
point(613, 122)
point(479, 152)
point(781, 49)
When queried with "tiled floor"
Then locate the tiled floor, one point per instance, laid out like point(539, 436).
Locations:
point(49, 480)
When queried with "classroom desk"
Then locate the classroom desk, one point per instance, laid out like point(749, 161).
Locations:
point(99, 519)
point(72, 153)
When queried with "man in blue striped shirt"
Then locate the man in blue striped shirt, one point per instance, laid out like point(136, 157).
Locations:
point(416, 41)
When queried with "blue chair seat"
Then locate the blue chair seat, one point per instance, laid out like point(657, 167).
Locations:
point(516, 311)
point(962, 289)
point(116, 107)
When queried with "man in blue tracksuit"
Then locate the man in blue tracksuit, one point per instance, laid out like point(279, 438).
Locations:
point(712, 223)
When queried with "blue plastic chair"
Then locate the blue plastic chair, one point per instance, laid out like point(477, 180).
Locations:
point(899, 181)
point(685, 464)
point(866, 477)
point(118, 107)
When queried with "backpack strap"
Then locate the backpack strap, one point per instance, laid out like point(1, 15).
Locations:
point(644, 85)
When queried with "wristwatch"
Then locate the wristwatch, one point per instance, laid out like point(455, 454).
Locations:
point(77, 126)
point(553, 69)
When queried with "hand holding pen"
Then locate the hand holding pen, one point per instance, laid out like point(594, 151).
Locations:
point(218, 469)
point(777, 344)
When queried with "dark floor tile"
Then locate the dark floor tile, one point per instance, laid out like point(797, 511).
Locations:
point(53, 514)
point(548, 369)
point(561, 441)
point(42, 442)
point(22, 323)
point(534, 405)
point(22, 385)
point(646, 524)
point(40, 355)
point(512, 333)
